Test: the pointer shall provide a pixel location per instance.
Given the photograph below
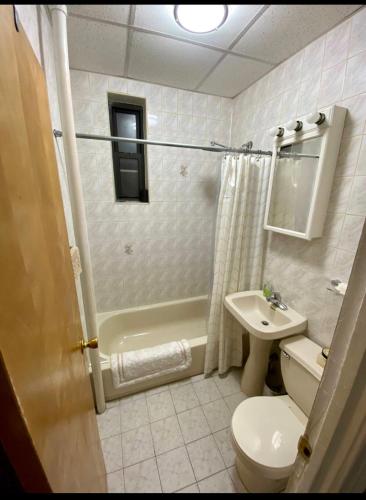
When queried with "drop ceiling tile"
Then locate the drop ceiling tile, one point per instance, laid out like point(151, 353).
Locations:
point(161, 18)
point(96, 47)
point(232, 75)
point(117, 13)
point(284, 29)
point(169, 62)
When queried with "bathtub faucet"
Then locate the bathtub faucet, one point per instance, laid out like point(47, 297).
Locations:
point(276, 301)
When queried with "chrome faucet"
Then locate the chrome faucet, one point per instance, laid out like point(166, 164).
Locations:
point(276, 301)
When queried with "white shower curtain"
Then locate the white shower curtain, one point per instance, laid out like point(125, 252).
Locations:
point(239, 253)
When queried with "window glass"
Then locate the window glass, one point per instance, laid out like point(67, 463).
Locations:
point(127, 127)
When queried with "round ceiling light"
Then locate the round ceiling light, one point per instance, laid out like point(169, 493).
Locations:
point(200, 18)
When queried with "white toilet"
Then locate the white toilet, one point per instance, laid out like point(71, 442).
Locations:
point(265, 430)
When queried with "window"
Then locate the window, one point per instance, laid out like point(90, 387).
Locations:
point(127, 120)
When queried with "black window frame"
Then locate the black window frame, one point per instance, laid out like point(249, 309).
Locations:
point(127, 108)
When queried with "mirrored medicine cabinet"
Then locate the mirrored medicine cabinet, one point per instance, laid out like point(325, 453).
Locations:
point(301, 176)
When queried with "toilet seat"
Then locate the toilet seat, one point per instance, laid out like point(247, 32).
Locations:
point(266, 431)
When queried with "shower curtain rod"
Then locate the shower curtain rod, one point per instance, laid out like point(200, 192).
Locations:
point(58, 133)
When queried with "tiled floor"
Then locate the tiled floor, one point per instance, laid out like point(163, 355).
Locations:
point(175, 438)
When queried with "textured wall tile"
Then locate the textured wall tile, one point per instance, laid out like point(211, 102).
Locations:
point(340, 194)
point(313, 58)
point(185, 106)
point(331, 85)
point(308, 95)
point(336, 45)
point(169, 100)
point(361, 163)
point(357, 201)
point(331, 70)
point(351, 232)
point(343, 263)
point(355, 82)
point(358, 34)
point(348, 156)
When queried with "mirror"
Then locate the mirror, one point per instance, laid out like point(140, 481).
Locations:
point(301, 177)
point(293, 184)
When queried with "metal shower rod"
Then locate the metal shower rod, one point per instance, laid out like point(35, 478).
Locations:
point(220, 149)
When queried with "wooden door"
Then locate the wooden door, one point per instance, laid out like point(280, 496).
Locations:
point(48, 426)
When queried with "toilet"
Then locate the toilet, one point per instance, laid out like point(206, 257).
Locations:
point(265, 430)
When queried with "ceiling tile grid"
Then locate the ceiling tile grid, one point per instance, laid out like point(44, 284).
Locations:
point(154, 48)
point(169, 62)
point(232, 75)
point(95, 46)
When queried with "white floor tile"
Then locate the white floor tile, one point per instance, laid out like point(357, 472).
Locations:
point(218, 483)
point(206, 390)
point(137, 445)
point(111, 404)
point(228, 384)
point(193, 424)
point(190, 489)
point(109, 422)
point(134, 414)
point(223, 441)
point(184, 398)
point(160, 406)
point(217, 415)
point(112, 452)
point(157, 390)
point(238, 485)
point(234, 400)
point(115, 482)
point(133, 397)
point(180, 383)
point(205, 457)
point(166, 435)
point(197, 378)
point(142, 477)
point(175, 470)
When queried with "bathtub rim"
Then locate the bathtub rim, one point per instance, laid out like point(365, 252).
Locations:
point(104, 316)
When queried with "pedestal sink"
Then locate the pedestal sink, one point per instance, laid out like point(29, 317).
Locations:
point(264, 324)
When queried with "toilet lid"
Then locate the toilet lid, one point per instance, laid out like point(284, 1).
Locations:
point(267, 431)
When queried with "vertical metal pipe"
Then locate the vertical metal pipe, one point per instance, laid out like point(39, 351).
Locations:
point(59, 19)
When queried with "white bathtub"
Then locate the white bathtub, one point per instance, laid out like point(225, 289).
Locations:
point(147, 326)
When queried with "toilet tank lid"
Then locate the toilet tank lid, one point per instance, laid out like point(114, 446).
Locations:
point(305, 352)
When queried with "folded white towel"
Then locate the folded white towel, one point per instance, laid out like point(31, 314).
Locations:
point(131, 367)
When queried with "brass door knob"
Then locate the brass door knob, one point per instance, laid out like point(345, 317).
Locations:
point(92, 344)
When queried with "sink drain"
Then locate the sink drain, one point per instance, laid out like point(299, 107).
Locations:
point(265, 323)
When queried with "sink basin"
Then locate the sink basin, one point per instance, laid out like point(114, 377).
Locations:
point(254, 312)
point(264, 325)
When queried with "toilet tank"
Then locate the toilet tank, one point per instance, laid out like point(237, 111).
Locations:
point(301, 372)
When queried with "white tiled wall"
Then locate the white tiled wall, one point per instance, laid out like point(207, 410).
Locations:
point(331, 70)
point(148, 253)
point(171, 237)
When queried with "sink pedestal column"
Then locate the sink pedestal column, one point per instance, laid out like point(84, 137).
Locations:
point(255, 369)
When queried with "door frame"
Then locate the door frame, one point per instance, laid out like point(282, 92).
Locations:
point(336, 429)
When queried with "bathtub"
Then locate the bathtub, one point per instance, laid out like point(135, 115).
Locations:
point(147, 326)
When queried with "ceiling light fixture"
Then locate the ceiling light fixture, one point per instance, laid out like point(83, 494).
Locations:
point(200, 18)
